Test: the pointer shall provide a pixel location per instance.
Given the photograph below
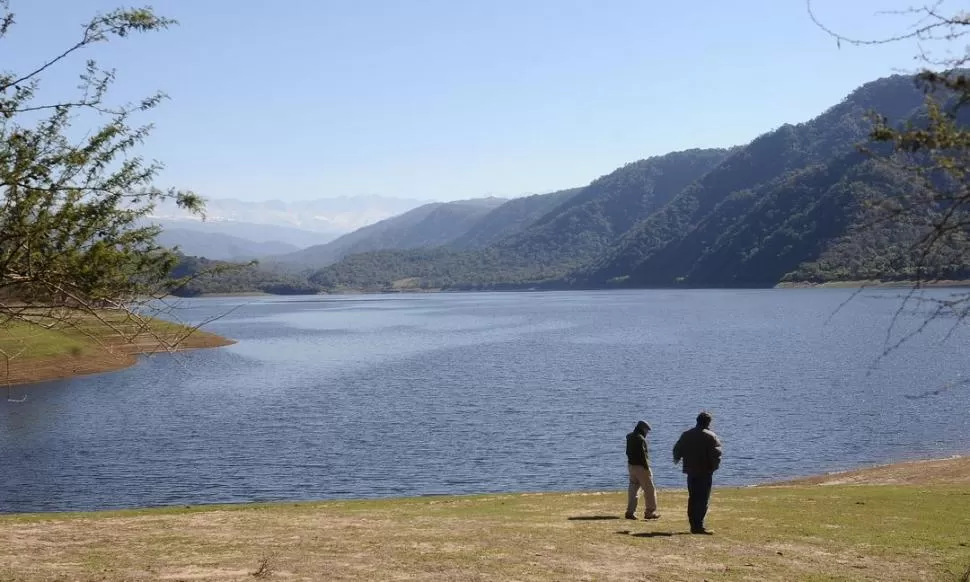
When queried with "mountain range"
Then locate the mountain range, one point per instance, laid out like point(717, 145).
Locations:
point(789, 206)
point(429, 225)
point(237, 229)
point(216, 245)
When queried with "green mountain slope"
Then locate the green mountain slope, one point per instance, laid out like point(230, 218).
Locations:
point(429, 225)
point(511, 218)
point(790, 205)
point(568, 236)
point(770, 206)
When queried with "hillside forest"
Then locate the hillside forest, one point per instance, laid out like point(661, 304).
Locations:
point(803, 203)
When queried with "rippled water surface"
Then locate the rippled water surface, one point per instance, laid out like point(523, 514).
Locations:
point(460, 393)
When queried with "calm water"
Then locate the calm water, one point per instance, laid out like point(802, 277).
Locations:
point(461, 393)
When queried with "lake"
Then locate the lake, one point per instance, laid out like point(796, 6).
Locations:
point(403, 395)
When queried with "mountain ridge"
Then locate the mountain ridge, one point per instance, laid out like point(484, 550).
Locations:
point(793, 204)
point(758, 214)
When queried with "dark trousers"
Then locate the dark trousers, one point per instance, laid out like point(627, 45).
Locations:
point(699, 494)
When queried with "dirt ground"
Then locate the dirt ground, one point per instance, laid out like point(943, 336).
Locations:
point(952, 471)
point(916, 531)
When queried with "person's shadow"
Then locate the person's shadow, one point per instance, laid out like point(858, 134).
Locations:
point(592, 517)
point(642, 534)
point(651, 534)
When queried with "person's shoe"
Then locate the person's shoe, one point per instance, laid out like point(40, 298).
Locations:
point(630, 516)
point(702, 531)
point(653, 515)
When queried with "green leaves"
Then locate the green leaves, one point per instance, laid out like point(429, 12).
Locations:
point(71, 235)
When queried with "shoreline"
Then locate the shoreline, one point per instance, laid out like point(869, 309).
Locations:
point(861, 531)
point(954, 284)
point(98, 359)
point(344, 291)
point(873, 284)
point(953, 470)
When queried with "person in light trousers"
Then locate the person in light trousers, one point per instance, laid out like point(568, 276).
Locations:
point(638, 464)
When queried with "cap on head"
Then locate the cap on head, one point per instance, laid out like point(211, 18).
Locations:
point(704, 419)
point(643, 426)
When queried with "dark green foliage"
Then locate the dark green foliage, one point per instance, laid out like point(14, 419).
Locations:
point(801, 203)
point(73, 192)
point(194, 276)
point(573, 233)
point(712, 232)
point(511, 218)
point(595, 218)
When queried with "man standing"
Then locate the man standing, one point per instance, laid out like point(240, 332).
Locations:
point(701, 451)
point(638, 463)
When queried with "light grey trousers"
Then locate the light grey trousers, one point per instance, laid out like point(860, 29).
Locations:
point(641, 478)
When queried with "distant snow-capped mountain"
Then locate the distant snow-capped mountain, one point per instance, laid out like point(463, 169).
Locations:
point(330, 216)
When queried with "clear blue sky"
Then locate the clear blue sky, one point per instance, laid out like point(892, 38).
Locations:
point(447, 99)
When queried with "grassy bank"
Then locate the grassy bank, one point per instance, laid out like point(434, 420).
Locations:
point(880, 530)
point(88, 345)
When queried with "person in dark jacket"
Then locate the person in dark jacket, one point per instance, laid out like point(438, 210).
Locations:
point(700, 450)
point(638, 465)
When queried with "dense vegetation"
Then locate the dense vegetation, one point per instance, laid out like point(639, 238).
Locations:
point(575, 231)
point(73, 191)
point(769, 207)
point(430, 225)
point(194, 276)
point(800, 203)
point(511, 218)
point(796, 204)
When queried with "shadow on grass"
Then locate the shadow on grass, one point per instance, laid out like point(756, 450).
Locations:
point(592, 517)
point(651, 534)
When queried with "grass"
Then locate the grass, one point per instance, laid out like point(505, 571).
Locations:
point(34, 342)
point(86, 344)
point(842, 532)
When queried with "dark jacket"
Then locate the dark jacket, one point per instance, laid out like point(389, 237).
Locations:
point(636, 449)
point(700, 449)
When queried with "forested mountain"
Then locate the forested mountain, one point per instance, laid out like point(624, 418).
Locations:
point(565, 238)
point(786, 206)
point(197, 276)
point(510, 218)
point(219, 246)
point(429, 225)
point(795, 204)
point(770, 206)
point(602, 212)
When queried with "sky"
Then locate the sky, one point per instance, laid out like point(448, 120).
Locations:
point(453, 99)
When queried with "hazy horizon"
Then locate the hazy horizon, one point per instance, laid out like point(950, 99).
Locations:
point(438, 101)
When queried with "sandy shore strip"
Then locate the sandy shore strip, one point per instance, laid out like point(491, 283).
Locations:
point(953, 470)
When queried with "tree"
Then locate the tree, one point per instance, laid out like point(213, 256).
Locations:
point(73, 250)
point(935, 149)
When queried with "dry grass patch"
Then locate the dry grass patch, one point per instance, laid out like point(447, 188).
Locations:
point(781, 533)
point(952, 471)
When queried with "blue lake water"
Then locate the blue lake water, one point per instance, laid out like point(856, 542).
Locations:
point(401, 395)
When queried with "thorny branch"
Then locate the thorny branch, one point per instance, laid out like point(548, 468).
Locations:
point(936, 152)
point(73, 255)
